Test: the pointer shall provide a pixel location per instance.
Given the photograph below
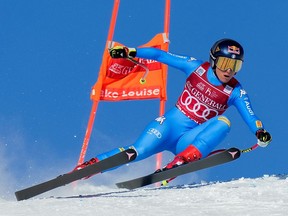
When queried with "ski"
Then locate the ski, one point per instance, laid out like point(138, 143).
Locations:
point(111, 162)
point(213, 160)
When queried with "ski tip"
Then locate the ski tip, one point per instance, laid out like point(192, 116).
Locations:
point(124, 186)
point(119, 185)
point(17, 197)
point(20, 196)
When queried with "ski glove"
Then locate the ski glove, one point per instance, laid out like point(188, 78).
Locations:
point(264, 137)
point(122, 52)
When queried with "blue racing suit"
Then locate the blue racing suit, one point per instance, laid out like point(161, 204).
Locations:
point(177, 128)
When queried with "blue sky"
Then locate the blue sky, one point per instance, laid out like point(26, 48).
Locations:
point(50, 53)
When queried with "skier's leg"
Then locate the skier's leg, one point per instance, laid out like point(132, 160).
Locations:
point(159, 135)
point(206, 136)
point(199, 142)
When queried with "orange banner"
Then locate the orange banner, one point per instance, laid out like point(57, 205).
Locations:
point(120, 79)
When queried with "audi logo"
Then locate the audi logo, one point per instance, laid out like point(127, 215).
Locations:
point(198, 108)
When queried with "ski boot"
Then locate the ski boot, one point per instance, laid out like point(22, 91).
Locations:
point(85, 164)
point(191, 153)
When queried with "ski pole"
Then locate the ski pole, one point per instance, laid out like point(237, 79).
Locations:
point(242, 151)
point(249, 149)
point(143, 78)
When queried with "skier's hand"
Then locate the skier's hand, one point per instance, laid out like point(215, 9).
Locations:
point(122, 52)
point(264, 138)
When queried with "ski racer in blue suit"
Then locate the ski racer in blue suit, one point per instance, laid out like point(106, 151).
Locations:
point(196, 125)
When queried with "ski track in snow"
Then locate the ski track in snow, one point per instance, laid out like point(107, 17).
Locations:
point(267, 195)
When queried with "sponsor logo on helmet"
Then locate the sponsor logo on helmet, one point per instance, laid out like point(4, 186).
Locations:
point(234, 50)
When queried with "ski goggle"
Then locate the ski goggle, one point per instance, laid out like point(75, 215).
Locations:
point(224, 64)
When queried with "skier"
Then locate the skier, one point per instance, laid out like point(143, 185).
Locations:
point(195, 126)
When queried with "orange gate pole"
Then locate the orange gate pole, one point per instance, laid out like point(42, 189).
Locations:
point(95, 102)
point(162, 102)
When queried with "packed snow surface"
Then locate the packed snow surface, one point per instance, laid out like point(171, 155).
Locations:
point(267, 195)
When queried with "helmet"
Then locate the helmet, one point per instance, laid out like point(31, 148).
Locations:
point(229, 49)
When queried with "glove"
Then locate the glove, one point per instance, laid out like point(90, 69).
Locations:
point(264, 137)
point(122, 52)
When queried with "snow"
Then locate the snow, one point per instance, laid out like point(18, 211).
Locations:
point(267, 195)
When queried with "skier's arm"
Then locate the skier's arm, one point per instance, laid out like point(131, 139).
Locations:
point(180, 62)
point(183, 63)
point(241, 101)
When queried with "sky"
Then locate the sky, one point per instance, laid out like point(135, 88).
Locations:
point(267, 196)
point(50, 54)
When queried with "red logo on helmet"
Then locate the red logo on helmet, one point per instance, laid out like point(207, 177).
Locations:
point(234, 49)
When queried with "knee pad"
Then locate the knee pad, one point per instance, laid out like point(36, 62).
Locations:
point(224, 119)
